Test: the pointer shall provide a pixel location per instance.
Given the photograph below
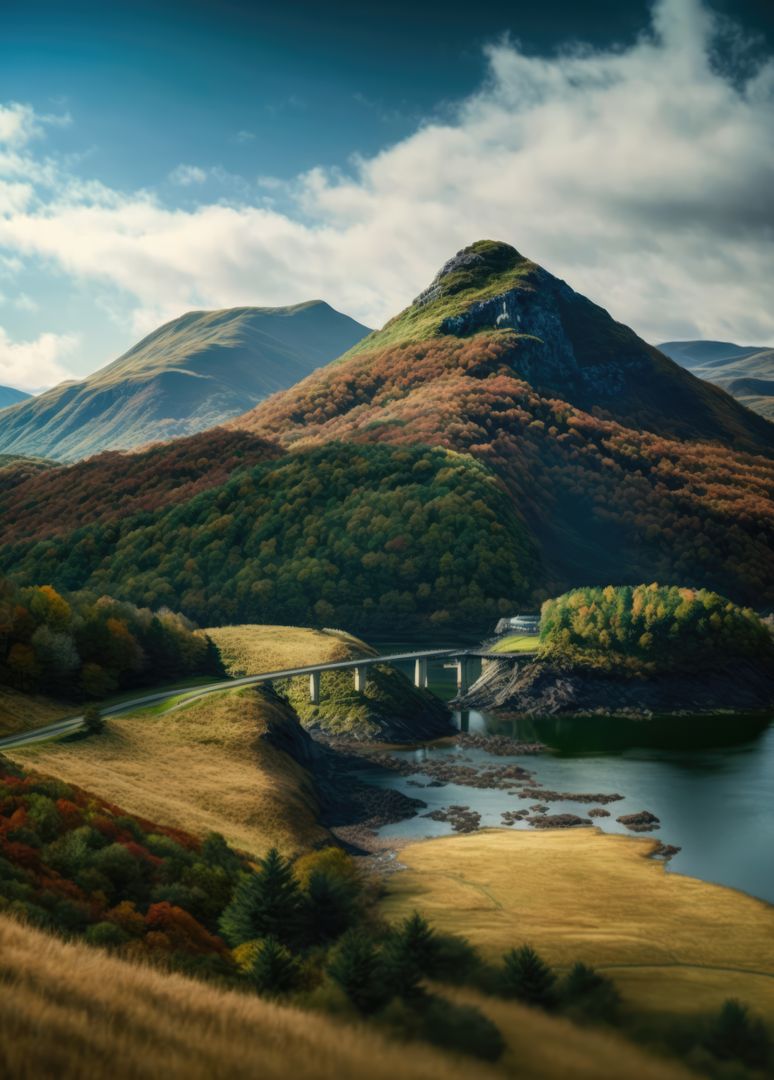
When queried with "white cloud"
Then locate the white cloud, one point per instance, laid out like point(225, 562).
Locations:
point(30, 365)
point(185, 175)
point(644, 175)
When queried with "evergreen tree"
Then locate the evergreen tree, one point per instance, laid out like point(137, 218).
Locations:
point(93, 720)
point(528, 978)
point(735, 1035)
point(330, 907)
point(592, 994)
point(357, 968)
point(418, 939)
point(274, 970)
point(265, 904)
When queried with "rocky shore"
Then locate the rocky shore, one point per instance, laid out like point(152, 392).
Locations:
point(550, 688)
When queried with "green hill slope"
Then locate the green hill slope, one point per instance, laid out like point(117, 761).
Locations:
point(500, 441)
point(189, 375)
point(9, 395)
point(746, 371)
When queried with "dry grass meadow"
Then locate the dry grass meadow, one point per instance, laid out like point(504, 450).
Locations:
point(76, 1013)
point(20, 712)
point(250, 649)
point(203, 767)
point(670, 942)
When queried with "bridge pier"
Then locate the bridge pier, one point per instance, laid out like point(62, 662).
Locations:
point(420, 671)
point(314, 687)
point(360, 680)
point(463, 675)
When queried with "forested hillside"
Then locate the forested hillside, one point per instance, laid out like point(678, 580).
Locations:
point(501, 440)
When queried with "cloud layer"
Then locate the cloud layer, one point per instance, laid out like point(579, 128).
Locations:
point(643, 175)
point(33, 365)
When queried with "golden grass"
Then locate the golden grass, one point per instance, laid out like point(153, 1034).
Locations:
point(251, 649)
point(20, 712)
point(77, 1013)
point(670, 942)
point(201, 767)
point(538, 1046)
point(516, 643)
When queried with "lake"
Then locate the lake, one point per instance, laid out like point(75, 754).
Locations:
point(709, 781)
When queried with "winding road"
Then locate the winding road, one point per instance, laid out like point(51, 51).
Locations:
point(70, 724)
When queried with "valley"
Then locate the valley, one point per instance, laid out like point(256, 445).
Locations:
point(502, 445)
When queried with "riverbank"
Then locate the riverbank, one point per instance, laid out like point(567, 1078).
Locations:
point(672, 943)
point(552, 687)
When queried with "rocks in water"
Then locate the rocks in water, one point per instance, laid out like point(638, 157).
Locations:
point(642, 821)
point(445, 769)
point(461, 818)
point(499, 745)
point(510, 817)
point(567, 796)
point(599, 812)
point(557, 821)
point(540, 808)
point(664, 851)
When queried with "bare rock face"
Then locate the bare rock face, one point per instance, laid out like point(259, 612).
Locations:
point(643, 821)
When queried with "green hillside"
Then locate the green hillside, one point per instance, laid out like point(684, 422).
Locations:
point(10, 396)
point(189, 375)
point(501, 441)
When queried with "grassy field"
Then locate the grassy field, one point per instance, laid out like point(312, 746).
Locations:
point(670, 942)
point(202, 766)
point(251, 649)
point(71, 1011)
point(516, 643)
point(22, 712)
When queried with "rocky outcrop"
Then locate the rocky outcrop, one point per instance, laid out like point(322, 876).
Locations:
point(550, 688)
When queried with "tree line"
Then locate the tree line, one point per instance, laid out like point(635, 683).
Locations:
point(87, 645)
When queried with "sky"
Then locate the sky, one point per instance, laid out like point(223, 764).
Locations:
point(159, 157)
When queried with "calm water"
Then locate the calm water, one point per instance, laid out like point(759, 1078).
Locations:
point(711, 782)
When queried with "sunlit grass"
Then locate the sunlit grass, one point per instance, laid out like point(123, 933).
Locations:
point(516, 643)
point(670, 942)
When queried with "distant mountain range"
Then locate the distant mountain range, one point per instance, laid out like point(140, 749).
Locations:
point(10, 396)
point(500, 439)
point(189, 375)
point(746, 371)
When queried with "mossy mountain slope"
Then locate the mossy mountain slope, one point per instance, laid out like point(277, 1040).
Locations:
point(186, 376)
point(563, 345)
point(451, 468)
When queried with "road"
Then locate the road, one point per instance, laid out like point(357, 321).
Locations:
point(73, 723)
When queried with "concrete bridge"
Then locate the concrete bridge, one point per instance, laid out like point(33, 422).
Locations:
point(459, 660)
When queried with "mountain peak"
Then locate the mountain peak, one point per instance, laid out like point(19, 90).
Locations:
point(472, 268)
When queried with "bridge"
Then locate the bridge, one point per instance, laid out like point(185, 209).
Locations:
point(458, 659)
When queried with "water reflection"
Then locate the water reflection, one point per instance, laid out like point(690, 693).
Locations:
point(601, 734)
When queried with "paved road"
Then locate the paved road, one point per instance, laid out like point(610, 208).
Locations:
point(73, 723)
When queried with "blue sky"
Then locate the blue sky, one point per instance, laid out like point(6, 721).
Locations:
point(157, 157)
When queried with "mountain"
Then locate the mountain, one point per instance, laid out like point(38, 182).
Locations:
point(746, 371)
point(500, 440)
point(10, 396)
point(188, 375)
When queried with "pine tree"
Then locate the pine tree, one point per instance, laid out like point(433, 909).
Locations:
point(735, 1035)
point(419, 940)
point(265, 904)
point(528, 978)
point(330, 906)
point(357, 968)
point(93, 720)
point(274, 970)
point(592, 994)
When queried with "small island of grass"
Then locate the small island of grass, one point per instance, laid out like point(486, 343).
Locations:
point(637, 650)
